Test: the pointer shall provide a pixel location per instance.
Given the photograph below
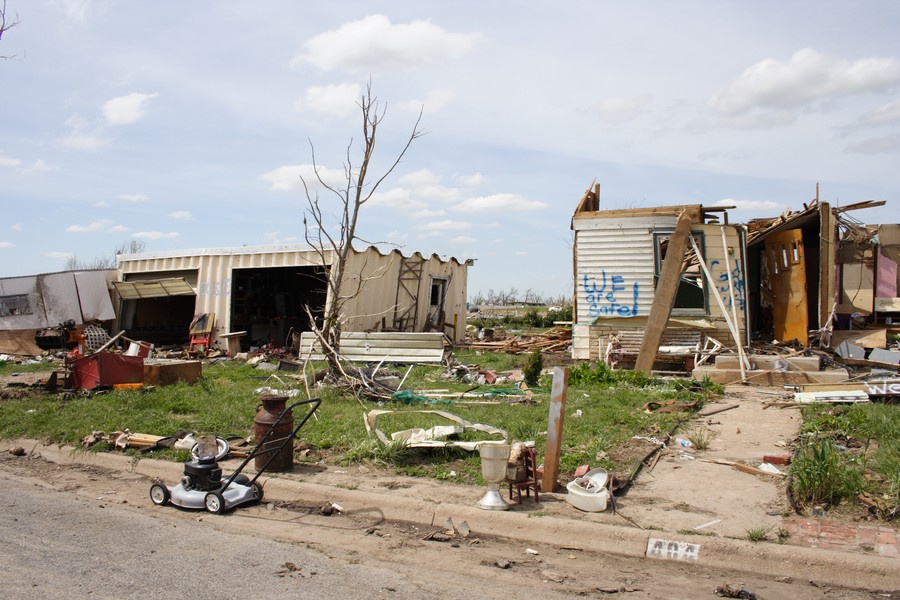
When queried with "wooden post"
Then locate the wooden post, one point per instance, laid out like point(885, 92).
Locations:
point(555, 428)
point(664, 296)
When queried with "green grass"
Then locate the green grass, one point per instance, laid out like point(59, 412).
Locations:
point(223, 403)
point(849, 449)
point(758, 534)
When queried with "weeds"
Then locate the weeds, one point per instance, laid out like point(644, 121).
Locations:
point(701, 438)
point(759, 534)
point(823, 475)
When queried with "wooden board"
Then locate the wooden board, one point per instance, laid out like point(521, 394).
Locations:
point(887, 304)
point(555, 428)
point(396, 347)
point(864, 338)
point(664, 295)
point(786, 259)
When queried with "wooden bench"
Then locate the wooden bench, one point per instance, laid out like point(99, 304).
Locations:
point(677, 346)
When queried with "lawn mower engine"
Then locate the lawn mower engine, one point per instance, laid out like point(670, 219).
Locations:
point(202, 487)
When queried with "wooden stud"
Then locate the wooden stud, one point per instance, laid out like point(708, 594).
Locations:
point(555, 428)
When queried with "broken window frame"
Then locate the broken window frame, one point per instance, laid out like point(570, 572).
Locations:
point(14, 305)
point(688, 278)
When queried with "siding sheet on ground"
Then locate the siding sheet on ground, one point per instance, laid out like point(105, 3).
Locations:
point(384, 346)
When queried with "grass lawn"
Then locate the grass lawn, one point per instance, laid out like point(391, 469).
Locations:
point(847, 451)
point(603, 412)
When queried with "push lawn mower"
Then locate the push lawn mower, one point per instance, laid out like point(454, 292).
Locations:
point(202, 485)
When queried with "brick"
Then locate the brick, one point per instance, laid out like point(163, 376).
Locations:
point(887, 537)
point(867, 536)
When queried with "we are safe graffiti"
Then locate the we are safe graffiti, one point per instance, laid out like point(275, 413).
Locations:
point(606, 298)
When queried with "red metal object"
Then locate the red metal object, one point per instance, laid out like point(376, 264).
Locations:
point(271, 409)
point(531, 477)
point(104, 369)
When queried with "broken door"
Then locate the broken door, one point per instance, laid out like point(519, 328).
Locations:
point(787, 278)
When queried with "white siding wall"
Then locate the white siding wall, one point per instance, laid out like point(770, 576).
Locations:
point(615, 266)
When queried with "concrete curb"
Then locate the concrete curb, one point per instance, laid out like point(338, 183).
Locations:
point(826, 567)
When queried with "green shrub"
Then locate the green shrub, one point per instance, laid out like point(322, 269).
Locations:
point(533, 367)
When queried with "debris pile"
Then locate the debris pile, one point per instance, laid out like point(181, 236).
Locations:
point(557, 339)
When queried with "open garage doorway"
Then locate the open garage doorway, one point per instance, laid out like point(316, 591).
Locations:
point(269, 303)
point(158, 311)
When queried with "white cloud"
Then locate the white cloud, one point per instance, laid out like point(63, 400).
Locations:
point(75, 9)
point(287, 177)
point(374, 44)
point(471, 180)
point(434, 102)
point(760, 206)
point(889, 113)
point(103, 225)
point(81, 136)
point(462, 239)
point(133, 197)
point(101, 204)
point(880, 145)
point(809, 76)
point(127, 110)
point(7, 245)
point(6, 161)
point(181, 215)
point(336, 100)
point(401, 198)
point(420, 178)
point(427, 214)
point(52, 254)
point(448, 225)
point(495, 202)
point(619, 108)
point(17, 227)
point(156, 235)
point(38, 166)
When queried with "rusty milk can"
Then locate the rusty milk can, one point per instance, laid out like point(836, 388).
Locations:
point(267, 414)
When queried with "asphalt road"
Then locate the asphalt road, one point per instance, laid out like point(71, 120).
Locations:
point(88, 532)
point(60, 545)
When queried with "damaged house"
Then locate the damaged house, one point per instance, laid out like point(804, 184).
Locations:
point(34, 308)
point(264, 292)
point(619, 257)
point(808, 277)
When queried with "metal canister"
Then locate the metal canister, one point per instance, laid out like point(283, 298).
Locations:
point(268, 413)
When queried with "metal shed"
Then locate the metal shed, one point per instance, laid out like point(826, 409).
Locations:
point(265, 291)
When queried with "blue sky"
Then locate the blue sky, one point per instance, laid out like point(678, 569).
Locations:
point(187, 124)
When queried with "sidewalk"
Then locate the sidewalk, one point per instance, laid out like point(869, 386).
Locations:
point(430, 503)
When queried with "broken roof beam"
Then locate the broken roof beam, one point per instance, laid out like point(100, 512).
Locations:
point(860, 205)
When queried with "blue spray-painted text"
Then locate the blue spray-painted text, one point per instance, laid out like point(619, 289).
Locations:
point(602, 299)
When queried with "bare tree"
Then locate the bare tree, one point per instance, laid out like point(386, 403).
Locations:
point(6, 22)
point(334, 243)
point(109, 261)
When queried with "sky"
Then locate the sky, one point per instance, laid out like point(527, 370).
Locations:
point(189, 124)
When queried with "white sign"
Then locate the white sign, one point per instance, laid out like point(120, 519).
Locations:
point(672, 550)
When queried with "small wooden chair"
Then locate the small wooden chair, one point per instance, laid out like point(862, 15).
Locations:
point(531, 480)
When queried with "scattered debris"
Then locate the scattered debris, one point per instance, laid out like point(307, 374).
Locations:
point(432, 438)
point(726, 590)
point(17, 451)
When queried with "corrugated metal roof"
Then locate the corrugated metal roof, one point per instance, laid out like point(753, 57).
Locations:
point(160, 288)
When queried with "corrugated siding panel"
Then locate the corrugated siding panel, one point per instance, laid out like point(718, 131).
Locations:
point(380, 346)
point(615, 267)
